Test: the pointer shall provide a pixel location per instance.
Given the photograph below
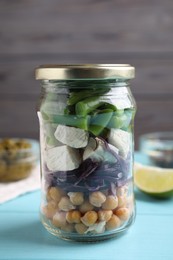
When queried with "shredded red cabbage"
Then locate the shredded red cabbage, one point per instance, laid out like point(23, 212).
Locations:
point(92, 176)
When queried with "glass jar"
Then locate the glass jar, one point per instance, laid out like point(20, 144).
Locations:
point(86, 118)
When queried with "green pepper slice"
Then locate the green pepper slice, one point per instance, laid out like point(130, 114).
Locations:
point(107, 105)
point(120, 119)
point(75, 97)
point(99, 121)
point(86, 106)
point(71, 120)
point(117, 121)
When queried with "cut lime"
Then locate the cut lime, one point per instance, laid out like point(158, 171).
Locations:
point(152, 180)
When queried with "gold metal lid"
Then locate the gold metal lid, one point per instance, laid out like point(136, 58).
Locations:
point(84, 71)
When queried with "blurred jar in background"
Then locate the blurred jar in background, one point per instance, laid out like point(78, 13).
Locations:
point(18, 158)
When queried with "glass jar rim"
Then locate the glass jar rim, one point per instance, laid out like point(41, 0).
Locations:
point(84, 71)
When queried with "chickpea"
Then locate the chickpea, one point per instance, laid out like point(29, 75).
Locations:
point(53, 204)
point(123, 213)
point(73, 216)
point(130, 201)
point(97, 198)
point(48, 197)
point(104, 215)
point(59, 219)
point(121, 201)
point(110, 203)
point(86, 206)
point(56, 193)
point(50, 209)
point(80, 228)
point(120, 191)
point(113, 223)
point(68, 227)
point(130, 204)
point(77, 198)
point(89, 218)
point(65, 204)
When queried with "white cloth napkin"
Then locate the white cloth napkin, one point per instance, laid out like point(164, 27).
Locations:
point(12, 190)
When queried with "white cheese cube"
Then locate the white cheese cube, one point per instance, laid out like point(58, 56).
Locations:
point(90, 148)
point(62, 158)
point(121, 140)
point(98, 152)
point(71, 136)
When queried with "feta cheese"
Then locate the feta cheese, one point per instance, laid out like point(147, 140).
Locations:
point(113, 148)
point(91, 147)
point(71, 136)
point(62, 158)
point(121, 140)
point(98, 152)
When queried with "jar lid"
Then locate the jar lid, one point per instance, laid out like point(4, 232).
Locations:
point(84, 71)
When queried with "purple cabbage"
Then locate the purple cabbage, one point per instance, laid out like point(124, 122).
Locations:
point(93, 176)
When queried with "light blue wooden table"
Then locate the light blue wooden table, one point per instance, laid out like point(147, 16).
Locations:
point(22, 236)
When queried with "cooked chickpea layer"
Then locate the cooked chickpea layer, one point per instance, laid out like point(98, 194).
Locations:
point(68, 227)
point(130, 203)
point(104, 215)
point(73, 216)
point(49, 213)
point(77, 198)
point(113, 223)
point(122, 213)
point(122, 201)
point(97, 198)
point(59, 219)
point(48, 197)
point(80, 228)
point(93, 212)
point(65, 204)
point(89, 218)
point(50, 209)
point(86, 206)
point(120, 191)
point(55, 193)
point(110, 203)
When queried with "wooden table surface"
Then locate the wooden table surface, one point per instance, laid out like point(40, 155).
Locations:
point(22, 236)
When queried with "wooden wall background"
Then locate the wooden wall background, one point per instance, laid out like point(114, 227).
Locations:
point(34, 32)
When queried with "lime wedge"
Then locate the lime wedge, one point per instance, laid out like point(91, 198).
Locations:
point(155, 181)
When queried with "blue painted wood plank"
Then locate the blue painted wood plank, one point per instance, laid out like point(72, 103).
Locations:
point(26, 203)
point(146, 204)
point(23, 237)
